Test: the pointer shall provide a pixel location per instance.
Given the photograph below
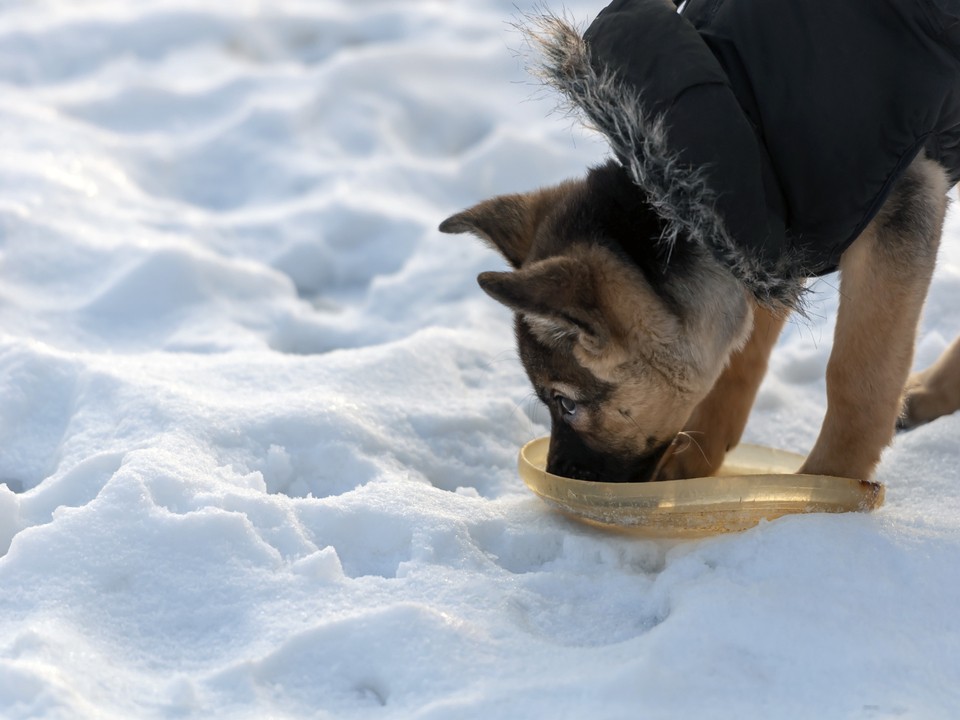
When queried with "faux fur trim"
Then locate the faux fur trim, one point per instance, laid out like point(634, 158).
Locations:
point(677, 192)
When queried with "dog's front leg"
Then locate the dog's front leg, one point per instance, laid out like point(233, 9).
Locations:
point(718, 421)
point(885, 275)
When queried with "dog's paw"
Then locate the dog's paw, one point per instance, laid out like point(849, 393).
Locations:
point(934, 392)
point(920, 406)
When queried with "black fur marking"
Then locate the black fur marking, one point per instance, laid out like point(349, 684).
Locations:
point(570, 457)
point(629, 225)
point(546, 365)
point(910, 213)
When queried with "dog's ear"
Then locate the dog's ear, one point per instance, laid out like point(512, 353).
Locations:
point(508, 223)
point(557, 297)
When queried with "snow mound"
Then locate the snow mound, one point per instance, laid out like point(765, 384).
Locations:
point(258, 425)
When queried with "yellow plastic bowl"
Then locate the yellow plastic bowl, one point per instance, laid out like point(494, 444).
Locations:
point(755, 483)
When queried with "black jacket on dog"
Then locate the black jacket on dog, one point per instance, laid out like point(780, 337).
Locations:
point(799, 114)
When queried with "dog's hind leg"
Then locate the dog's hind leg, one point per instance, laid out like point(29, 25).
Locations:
point(934, 392)
point(718, 421)
point(884, 277)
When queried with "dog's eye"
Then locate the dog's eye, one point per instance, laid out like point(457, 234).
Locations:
point(567, 406)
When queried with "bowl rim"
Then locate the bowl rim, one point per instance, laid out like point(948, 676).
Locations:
point(756, 483)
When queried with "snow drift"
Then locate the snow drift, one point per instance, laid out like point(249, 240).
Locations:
point(258, 425)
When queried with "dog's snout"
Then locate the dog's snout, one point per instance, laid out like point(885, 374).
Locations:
point(571, 458)
point(568, 469)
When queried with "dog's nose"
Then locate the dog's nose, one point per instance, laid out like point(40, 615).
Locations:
point(606, 468)
point(567, 469)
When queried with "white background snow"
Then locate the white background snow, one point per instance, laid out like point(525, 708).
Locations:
point(258, 425)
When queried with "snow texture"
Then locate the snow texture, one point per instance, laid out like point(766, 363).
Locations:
point(258, 424)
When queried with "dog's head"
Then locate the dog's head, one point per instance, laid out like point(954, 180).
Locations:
point(619, 346)
point(629, 289)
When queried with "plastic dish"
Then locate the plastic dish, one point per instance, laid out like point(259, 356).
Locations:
point(755, 483)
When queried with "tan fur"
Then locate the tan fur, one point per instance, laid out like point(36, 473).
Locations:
point(619, 293)
point(693, 364)
point(642, 413)
point(658, 365)
point(934, 392)
point(646, 354)
point(885, 275)
point(638, 321)
point(717, 423)
point(507, 223)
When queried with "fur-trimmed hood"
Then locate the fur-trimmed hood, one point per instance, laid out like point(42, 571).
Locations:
point(717, 116)
point(677, 179)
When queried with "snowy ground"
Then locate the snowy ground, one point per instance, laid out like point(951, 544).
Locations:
point(258, 425)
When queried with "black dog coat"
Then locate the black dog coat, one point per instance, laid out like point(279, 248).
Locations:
point(799, 115)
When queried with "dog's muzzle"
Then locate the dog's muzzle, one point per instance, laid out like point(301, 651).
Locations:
point(570, 457)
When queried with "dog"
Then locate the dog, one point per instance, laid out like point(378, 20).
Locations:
point(643, 327)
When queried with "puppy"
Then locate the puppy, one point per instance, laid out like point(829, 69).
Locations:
point(649, 294)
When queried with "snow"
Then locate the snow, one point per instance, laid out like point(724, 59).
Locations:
point(258, 425)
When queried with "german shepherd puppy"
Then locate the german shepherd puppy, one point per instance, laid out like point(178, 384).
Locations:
point(649, 356)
